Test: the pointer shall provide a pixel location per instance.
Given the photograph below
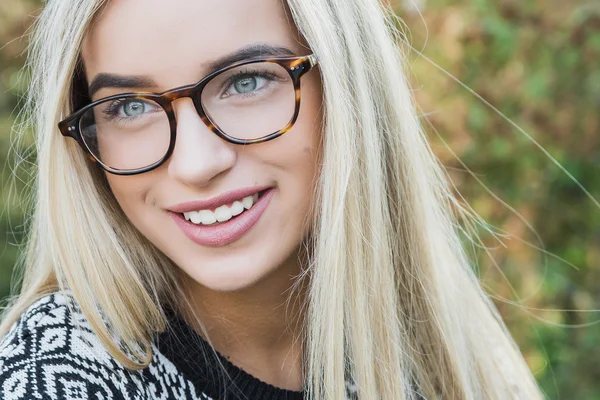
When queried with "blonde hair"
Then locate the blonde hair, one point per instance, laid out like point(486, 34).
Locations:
point(392, 298)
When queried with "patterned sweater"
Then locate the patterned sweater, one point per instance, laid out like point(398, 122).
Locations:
point(51, 353)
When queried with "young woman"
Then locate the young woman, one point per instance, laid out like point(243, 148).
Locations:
point(234, 199)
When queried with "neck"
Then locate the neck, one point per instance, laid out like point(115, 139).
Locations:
point(258, 328)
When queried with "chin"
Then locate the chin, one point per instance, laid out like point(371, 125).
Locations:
point(223, 275)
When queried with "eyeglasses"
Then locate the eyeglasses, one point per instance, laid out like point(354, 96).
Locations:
point(251, 101)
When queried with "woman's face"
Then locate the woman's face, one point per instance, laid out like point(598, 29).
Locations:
point(170, 44)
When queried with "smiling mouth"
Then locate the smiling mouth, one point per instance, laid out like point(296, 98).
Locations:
point(232, 228)
point(222, 213)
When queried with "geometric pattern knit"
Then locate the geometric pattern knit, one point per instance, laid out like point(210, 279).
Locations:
point(51, 353)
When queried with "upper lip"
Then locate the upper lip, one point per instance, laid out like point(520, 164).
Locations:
point(214, 202)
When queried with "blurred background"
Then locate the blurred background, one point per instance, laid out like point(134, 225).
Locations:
point(538, 63)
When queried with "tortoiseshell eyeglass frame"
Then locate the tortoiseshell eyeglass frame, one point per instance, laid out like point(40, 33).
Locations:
point(296, 66)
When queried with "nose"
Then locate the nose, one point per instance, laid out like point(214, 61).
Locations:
point(199, 156)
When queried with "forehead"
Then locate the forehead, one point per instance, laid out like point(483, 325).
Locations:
point(172, 40)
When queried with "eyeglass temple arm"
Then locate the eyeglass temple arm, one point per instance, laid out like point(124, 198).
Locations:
point(313, 60)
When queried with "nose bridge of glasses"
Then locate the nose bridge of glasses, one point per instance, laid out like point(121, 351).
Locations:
point(180, 92)
point(188, 91)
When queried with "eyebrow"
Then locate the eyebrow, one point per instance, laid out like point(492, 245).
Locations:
point(108, 80)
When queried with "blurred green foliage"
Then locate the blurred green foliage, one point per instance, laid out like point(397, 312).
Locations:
point(538, 63)
point(15, 18)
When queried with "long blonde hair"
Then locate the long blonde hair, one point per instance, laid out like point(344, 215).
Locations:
point(392, 298)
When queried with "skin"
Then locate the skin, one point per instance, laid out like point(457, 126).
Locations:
point(240, 290)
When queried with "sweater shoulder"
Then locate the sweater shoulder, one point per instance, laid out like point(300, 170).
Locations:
point(51, 352)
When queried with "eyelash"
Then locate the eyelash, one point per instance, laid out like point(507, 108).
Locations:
point(111, 110)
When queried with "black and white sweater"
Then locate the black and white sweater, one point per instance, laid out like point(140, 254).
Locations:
point(51, 353)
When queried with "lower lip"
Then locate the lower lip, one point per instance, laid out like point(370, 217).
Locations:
point(226, 232)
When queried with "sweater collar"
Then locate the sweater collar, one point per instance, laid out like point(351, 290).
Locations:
point(199, 363)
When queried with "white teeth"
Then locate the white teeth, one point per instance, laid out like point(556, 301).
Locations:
point(237, 208)
point(248, 201)
point(222, 213)
point(195, 217)
point(207, 217)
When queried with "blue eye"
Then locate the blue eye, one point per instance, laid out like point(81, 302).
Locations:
point(250, 82)
point(133, 108)
point(129, 108)
point(246, 84)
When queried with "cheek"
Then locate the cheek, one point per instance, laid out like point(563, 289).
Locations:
point(131, 193)
point(296, 155)
point(300, 148)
